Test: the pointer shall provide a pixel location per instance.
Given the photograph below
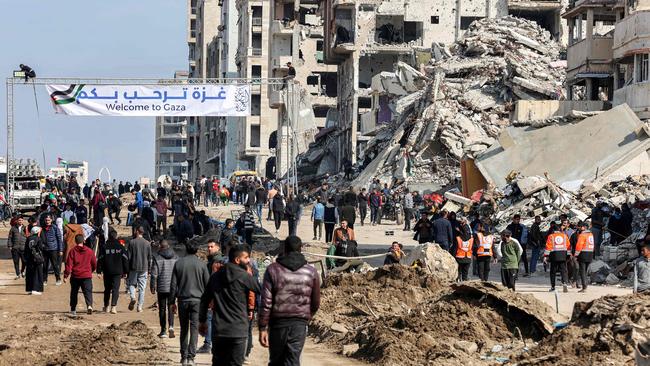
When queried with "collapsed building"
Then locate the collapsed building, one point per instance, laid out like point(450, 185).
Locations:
point(459, 102)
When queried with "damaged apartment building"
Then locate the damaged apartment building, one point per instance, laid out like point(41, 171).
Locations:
point(608, 57)
point(296, 36)
point(368, 37)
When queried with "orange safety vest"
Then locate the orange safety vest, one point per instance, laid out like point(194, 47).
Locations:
point(464, 248)
point(557, 242)
point(585, 242)
point(484, 245)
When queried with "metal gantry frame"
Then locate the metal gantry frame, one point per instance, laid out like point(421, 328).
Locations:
point(12, 82)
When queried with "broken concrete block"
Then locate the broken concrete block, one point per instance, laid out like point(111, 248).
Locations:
point(339, 328)
point(350, 349)
point(434, 260)
point(532, 184)
point(612, 279)
point(458, 198)
point(466, 346)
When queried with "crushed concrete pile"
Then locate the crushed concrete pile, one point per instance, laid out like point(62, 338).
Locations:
point(60, 340)
point(605, 331)
point(463, 102)
point(435, 261)
point(402, 316)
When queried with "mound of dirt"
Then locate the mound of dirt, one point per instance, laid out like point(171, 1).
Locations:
point(602, 332)
point(403, 316)
point(73, 341)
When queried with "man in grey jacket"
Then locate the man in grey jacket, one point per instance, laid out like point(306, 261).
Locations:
point(189, 279)
point(17, 237)
point(161, 278)
point(139, 260)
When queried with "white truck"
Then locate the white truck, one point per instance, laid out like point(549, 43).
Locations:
point(28, 183)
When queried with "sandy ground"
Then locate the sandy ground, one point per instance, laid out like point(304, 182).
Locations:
point(14, 301)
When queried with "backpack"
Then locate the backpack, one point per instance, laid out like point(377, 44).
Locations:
point(36, 252)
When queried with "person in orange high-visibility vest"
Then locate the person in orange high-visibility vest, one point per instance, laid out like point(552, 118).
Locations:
point(462, 250)
point(582, 244)
point(483, 250)
point(557, 247)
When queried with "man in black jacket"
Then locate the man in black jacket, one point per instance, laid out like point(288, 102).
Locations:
point(261, 199)
point(113, 265)
point(292, 213)
point(114, 208)
point(189, 279)
point(228, 289)
point(442, 231)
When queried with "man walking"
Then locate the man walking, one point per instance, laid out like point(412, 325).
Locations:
point(161, 279)
point(442, 231)
point(113, 265)
point(290, 298)
point(536, 241)
point(79, 266)
point(518, 232)
point(53, 239)
point(228, 290)
point(139, 259)
point(17, 237)
point(189, 279)
point(510, 256)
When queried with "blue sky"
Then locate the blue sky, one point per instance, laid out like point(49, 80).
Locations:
point(73, 38)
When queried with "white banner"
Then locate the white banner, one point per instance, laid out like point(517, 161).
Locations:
point(151, 100)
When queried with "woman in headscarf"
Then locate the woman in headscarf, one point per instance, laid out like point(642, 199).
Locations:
point(34, 260)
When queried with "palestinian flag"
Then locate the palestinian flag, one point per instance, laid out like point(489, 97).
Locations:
point(66, 96)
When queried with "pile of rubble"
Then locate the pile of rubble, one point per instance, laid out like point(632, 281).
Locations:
point(606, 331)
point(403, 316)
point(461, 101)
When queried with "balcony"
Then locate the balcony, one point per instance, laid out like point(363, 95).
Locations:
point(532, 5)
point(174, 149)
point(637, 96)
point(343, 3)
point(597, 60)
point(280, 27)
point(255, 52)
point(280, 62)
point(632, 33)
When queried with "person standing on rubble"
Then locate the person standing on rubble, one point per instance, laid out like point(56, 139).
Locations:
point(557, 247)
point(598, 215)
point(519, 232)
point(483, 251)
point(290, 298)
point(582, 247)
point(510, 257)
point(462, 250)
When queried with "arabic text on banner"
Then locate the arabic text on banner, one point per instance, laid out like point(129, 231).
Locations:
point(151, 100)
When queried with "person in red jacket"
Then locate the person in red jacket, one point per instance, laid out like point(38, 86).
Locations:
point(79, 266)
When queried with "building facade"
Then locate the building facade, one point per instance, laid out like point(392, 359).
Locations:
point(631, 50)
point(365, 38)
point(252, 61)
point(171, 143)
point(589, 53)
point(204, 20)
point(296, 36)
